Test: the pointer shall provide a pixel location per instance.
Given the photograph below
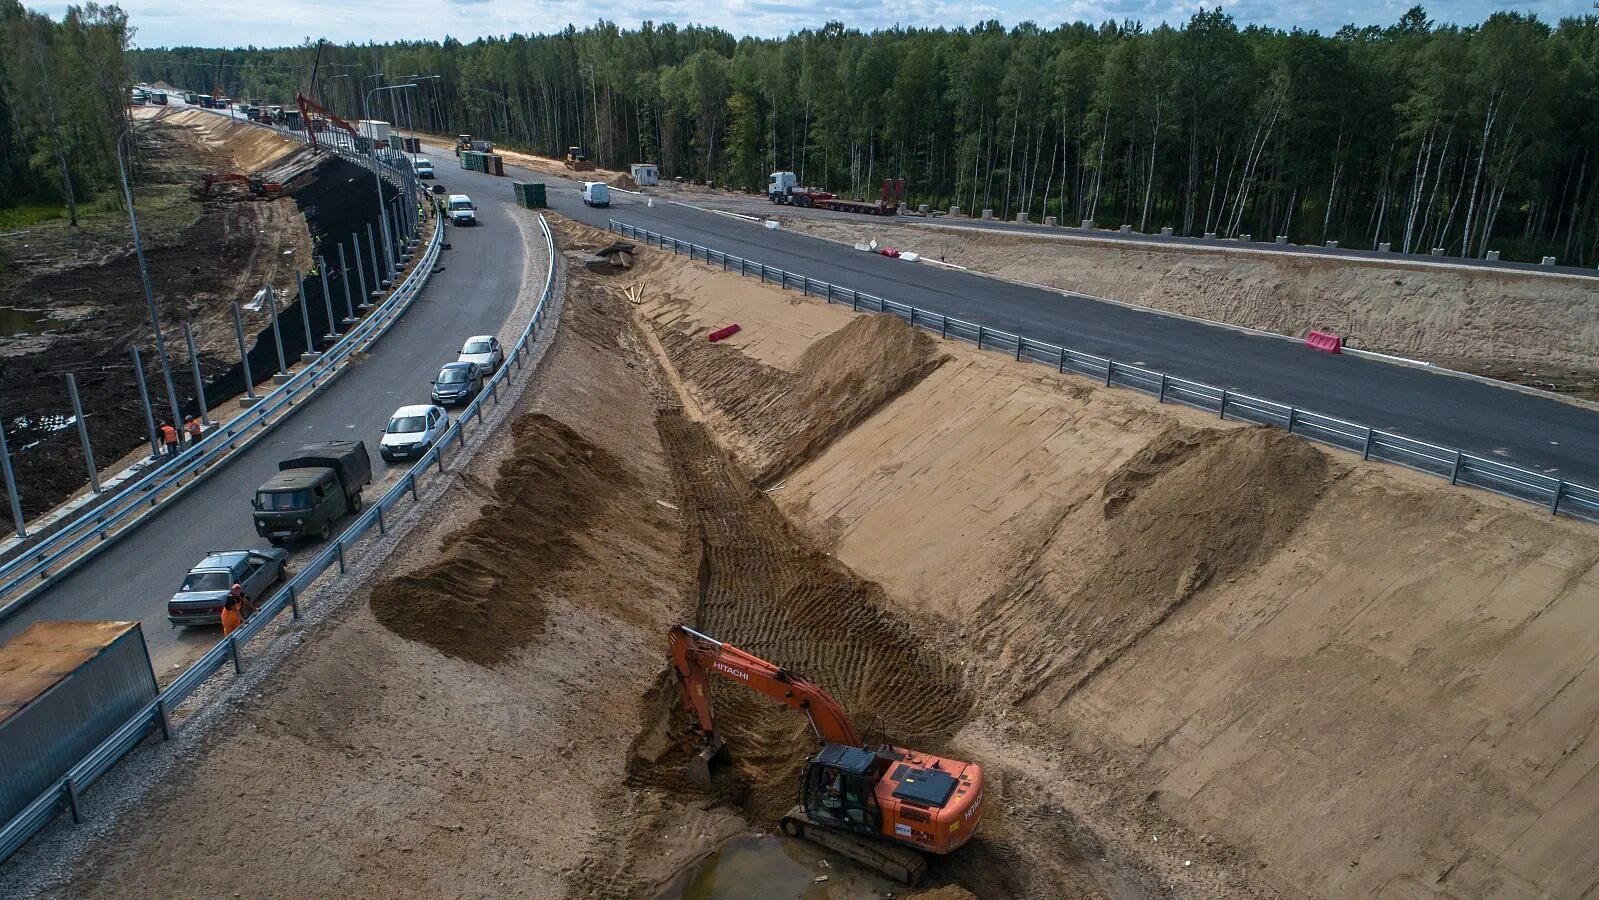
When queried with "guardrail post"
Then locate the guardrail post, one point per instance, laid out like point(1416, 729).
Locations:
point(71, 787)
point(943, 327)
point(1162, 398)
point(1554, 505)
point(1293, 412)
point(1110, 369)
point(1454, 474)
point(164, 717)
point(410, 480)
point(1365, 452)
point(1020, 341)
point(233, 651)
point(979, 337)
point(339, 546)
point(763, 273)
point(855, 300)
point(494, 393)
point(743, 266)
point(294, 595)
point(1222, 413)
point(805, 286)
point(381, 529)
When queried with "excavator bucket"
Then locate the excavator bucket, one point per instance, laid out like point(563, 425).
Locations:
point(699, 768)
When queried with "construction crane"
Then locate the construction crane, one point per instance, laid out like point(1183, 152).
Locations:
point(881, 806)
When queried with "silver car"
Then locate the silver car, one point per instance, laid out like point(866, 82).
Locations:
point(199, 599)
point(485, 350)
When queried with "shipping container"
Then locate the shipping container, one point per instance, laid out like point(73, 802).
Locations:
point(373, 130)
point(64, 688)
point(530, 194)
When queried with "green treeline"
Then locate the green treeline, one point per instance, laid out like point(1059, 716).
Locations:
point(1469, 138)
point(63, 103)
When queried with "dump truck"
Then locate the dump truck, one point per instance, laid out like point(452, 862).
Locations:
point(312, 490)
point(881, 805)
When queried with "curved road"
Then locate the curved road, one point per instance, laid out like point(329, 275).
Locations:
point(1536, 432)
point(133, 579)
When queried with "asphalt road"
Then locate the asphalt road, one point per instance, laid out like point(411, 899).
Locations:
point(1536, 432)
point(133, 579)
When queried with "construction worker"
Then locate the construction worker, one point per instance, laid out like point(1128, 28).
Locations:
point(247, 608)
point(191, 425)
point(169, 438)
point(231, 617)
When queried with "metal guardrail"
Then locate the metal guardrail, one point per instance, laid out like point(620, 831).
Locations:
point(65, 793)
point(1557, 495)
point(98, 527)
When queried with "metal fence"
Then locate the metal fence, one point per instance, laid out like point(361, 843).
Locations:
point(81, 538)
point(66, 792)
point(1555, 494)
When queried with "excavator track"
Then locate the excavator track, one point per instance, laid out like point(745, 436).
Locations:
point(902, 864)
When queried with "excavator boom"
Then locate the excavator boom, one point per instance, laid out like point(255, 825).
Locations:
point(309, 106)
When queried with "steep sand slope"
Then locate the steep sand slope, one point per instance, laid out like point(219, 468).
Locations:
point(1371, 682)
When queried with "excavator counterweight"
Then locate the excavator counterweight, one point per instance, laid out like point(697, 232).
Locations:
point(877, 805)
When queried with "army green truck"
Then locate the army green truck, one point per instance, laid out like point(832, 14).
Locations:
point(312, 490)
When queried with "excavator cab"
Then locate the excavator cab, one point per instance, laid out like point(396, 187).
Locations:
point(841, 789)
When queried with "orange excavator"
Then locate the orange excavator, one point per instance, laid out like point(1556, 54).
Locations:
point(313, 124)
point(259, 188)
point(881, 806)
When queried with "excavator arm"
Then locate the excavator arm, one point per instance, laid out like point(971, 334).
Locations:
point(307, 107)
point(695, 656)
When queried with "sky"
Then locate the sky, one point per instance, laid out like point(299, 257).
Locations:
point(249, 22)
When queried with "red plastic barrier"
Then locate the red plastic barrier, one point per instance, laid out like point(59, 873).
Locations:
point(724, 332)
point(1325, 341)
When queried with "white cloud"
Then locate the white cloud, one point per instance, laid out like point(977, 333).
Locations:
point(244, 22)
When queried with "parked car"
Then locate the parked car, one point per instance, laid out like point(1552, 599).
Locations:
point(483, 349)
point(457, 382)
point(596, 193)
point(199, 599)
point(411, 431)
point(462, 210)
point(423, 166)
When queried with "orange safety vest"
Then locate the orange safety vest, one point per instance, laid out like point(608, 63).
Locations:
point(169, 434)
point(193, 428)
point(230, 620)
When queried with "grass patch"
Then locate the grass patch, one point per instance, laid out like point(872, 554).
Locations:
point(27, 213)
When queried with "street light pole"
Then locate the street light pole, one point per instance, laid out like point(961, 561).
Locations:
point(377, 177)
point(144, 276)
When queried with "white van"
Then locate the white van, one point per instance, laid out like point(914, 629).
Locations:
point(462, 210)
point(596, 193)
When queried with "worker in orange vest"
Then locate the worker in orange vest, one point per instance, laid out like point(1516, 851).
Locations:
point(247, 607)
point(192, 426)
point(232, 618)
point(169, 437)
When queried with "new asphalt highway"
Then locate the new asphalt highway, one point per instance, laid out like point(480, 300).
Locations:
point(1538, 432)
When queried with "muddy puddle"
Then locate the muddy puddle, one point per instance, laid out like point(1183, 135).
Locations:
point(772, 867)
point(15, 322)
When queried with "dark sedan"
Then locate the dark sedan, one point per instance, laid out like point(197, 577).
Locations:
point(199, 600)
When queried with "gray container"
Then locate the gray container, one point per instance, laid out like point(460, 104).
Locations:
point(64, 688)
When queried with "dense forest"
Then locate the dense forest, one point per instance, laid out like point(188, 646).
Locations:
point(63, 102)
point(1468, 138)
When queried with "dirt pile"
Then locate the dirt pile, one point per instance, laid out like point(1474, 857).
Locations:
point(781, 419)
point(624, 181)
point(1532, 329)
point(765, 589)
point(484, 599)
point(1193, 508)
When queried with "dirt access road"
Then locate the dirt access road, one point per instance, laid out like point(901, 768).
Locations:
point(203, 257)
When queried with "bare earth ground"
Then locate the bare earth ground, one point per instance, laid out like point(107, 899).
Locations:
point(1195, 661)
point(1340, 676)
point(203, 257)
point(1537, 330)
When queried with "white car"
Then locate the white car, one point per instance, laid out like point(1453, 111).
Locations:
point(483, 349)
point(424, 167)
point(411, 431)
point(462, 210)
